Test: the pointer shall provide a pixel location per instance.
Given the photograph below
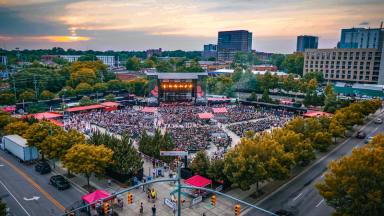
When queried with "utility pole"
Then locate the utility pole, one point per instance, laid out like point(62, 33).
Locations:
point(14, 87)
point(34, 80)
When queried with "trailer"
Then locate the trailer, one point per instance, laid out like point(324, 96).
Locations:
point(17, 146)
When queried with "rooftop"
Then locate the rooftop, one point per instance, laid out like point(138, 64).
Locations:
point(177, 75)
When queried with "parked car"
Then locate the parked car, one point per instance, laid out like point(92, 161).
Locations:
point(364, 96)
point(368, 139)
point(361, 135)
point(59, 182)
point(43, 168)
point(378, 121)
point(283, 212)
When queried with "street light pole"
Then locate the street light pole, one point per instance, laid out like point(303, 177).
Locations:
point(54, 166)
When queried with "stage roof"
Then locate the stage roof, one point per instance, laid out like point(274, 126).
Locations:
point(84, 108)
point(316, 113)
point(177, 75)
point(44, 115)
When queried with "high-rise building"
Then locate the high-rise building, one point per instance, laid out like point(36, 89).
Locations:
point(348, 65)
point(360, 38)
point(210, 47)
point(230, 42)
point(306, 42)
point(3, 58)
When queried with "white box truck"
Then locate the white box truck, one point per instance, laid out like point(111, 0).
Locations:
point(17, 146)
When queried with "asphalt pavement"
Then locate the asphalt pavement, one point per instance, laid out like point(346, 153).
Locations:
point(300, 195)
point(27, 192)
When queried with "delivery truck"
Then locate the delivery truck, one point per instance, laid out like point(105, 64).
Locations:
point(17, 146)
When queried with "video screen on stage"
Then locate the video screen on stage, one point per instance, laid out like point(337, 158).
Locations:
point(176, 90)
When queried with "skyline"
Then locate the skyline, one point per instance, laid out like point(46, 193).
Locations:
point(173, 24)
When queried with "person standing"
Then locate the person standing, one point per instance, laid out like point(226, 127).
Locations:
point(141, 210)
point(154, 173)
point(109, 183)
point(154, 210)
point(121, 204)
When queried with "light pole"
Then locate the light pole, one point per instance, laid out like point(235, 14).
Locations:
point(54, 166)
point(280, 88)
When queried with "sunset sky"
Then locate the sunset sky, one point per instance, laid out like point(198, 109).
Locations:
point(178, 24)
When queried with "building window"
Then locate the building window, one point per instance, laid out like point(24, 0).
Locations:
point(339, 56)
point(357, 56)
point(363, 56)
point(370, 56)
point(351, 56)
point(349, 77)
point(345, 55)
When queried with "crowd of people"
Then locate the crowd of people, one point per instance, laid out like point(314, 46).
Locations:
point(180, 114)
point(270, 121)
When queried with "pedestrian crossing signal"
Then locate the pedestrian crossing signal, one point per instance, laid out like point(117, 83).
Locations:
point(213, 200)
point(129, 198)
point(237, 209)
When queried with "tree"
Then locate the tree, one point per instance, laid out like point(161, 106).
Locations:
point(297, 125)
point(30, 120)
point(277, 60)
point(257, 61)
point(294, 63)
point(26, 96)
point(369, 106)
point(211, 58)
point(2, 66)
point(133, 64)
point(343, 104)
point(110, 98)
point(322, 100)
point(3, 208)
point(200, 163)
point(100, 87)
point(237, 74)
point(38, 133)
point(88, 159)
point(152, 145)
point(354, 184)
point(304, 87)
point(312, 85)
point(88, 58)
point(83, 88)
point(307, 100)
point(253, 96)
point(47, 95)
point(330, 104)
point(336, 129)
point(315, 101)
point(36, 64)
point(7, 99)
point(116, 84)
point(289, 83)
point(216, 170)
point(318, 75)
point(267, 81)
point(37, 107)
point(197, 59)
point(110, 76)
point(148, 64)
point(86, 101)
point(322, 141)
point(265, 97)
point(59, 60)
point(84, 75)
point(4, 120)
point(163, 66)
point(153, 59)
point(275, 81)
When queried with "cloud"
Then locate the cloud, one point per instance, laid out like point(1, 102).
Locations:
point(48, 39)
point(364, 23)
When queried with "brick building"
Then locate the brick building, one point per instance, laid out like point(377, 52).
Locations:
point(48, 57)
point(264, 68)
point(150, 52)
point(126, 76)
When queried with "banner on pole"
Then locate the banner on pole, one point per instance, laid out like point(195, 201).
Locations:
point(220, 188)
point(170, 204)
point(173, 153)
point(197, 200)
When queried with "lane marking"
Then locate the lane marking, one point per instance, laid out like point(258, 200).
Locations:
point(33, 183)
point(319, 203)
point(322, 176)
point(15, 199)
point(33, 198)
point(297, 197)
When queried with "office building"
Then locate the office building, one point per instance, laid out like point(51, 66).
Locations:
point(264, 56)
point(107, 60)
point(70, 58)
point(150, 52)
point(361, 38)
point(230, 42)
point(348, 65)
point(3, 58)
point(306, 42)
point(210, 47)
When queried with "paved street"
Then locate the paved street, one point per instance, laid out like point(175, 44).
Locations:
point(20, 183)
point(300, 194)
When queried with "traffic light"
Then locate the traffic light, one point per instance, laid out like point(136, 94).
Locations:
point(129, 198)
point(213, 200)
point(182, 200)
point(106, 208)
point(237, 209)
point(175, 200)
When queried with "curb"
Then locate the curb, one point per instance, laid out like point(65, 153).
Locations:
point(246, 209)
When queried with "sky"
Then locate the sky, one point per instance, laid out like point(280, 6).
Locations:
point(178, 24)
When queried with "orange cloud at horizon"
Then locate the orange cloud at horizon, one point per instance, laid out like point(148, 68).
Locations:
point(45, 39)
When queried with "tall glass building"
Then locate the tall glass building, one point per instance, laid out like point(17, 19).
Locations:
point(230, 42)
point(360, 38)
point(306, 42)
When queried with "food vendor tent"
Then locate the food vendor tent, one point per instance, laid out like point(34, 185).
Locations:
point(149, 109)
point(93, 197)
point(205, 115)
point(198, 181)
point(111, 104)
point(219, 110)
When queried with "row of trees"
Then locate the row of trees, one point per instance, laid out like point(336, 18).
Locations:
point(77, 153)
point(152, 145)
point(269, 157)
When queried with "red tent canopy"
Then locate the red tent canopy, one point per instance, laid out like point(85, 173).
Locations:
point(46, 115)
point(149, 109)
point(316, 113)
point(219, 110)
point(198, 181)
point(9, 109)
point(84, 108)
point(93, 197)
point(56, 122)
point(205, 115)
point(111, 104)
point(286, 101)
point(219, 99)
